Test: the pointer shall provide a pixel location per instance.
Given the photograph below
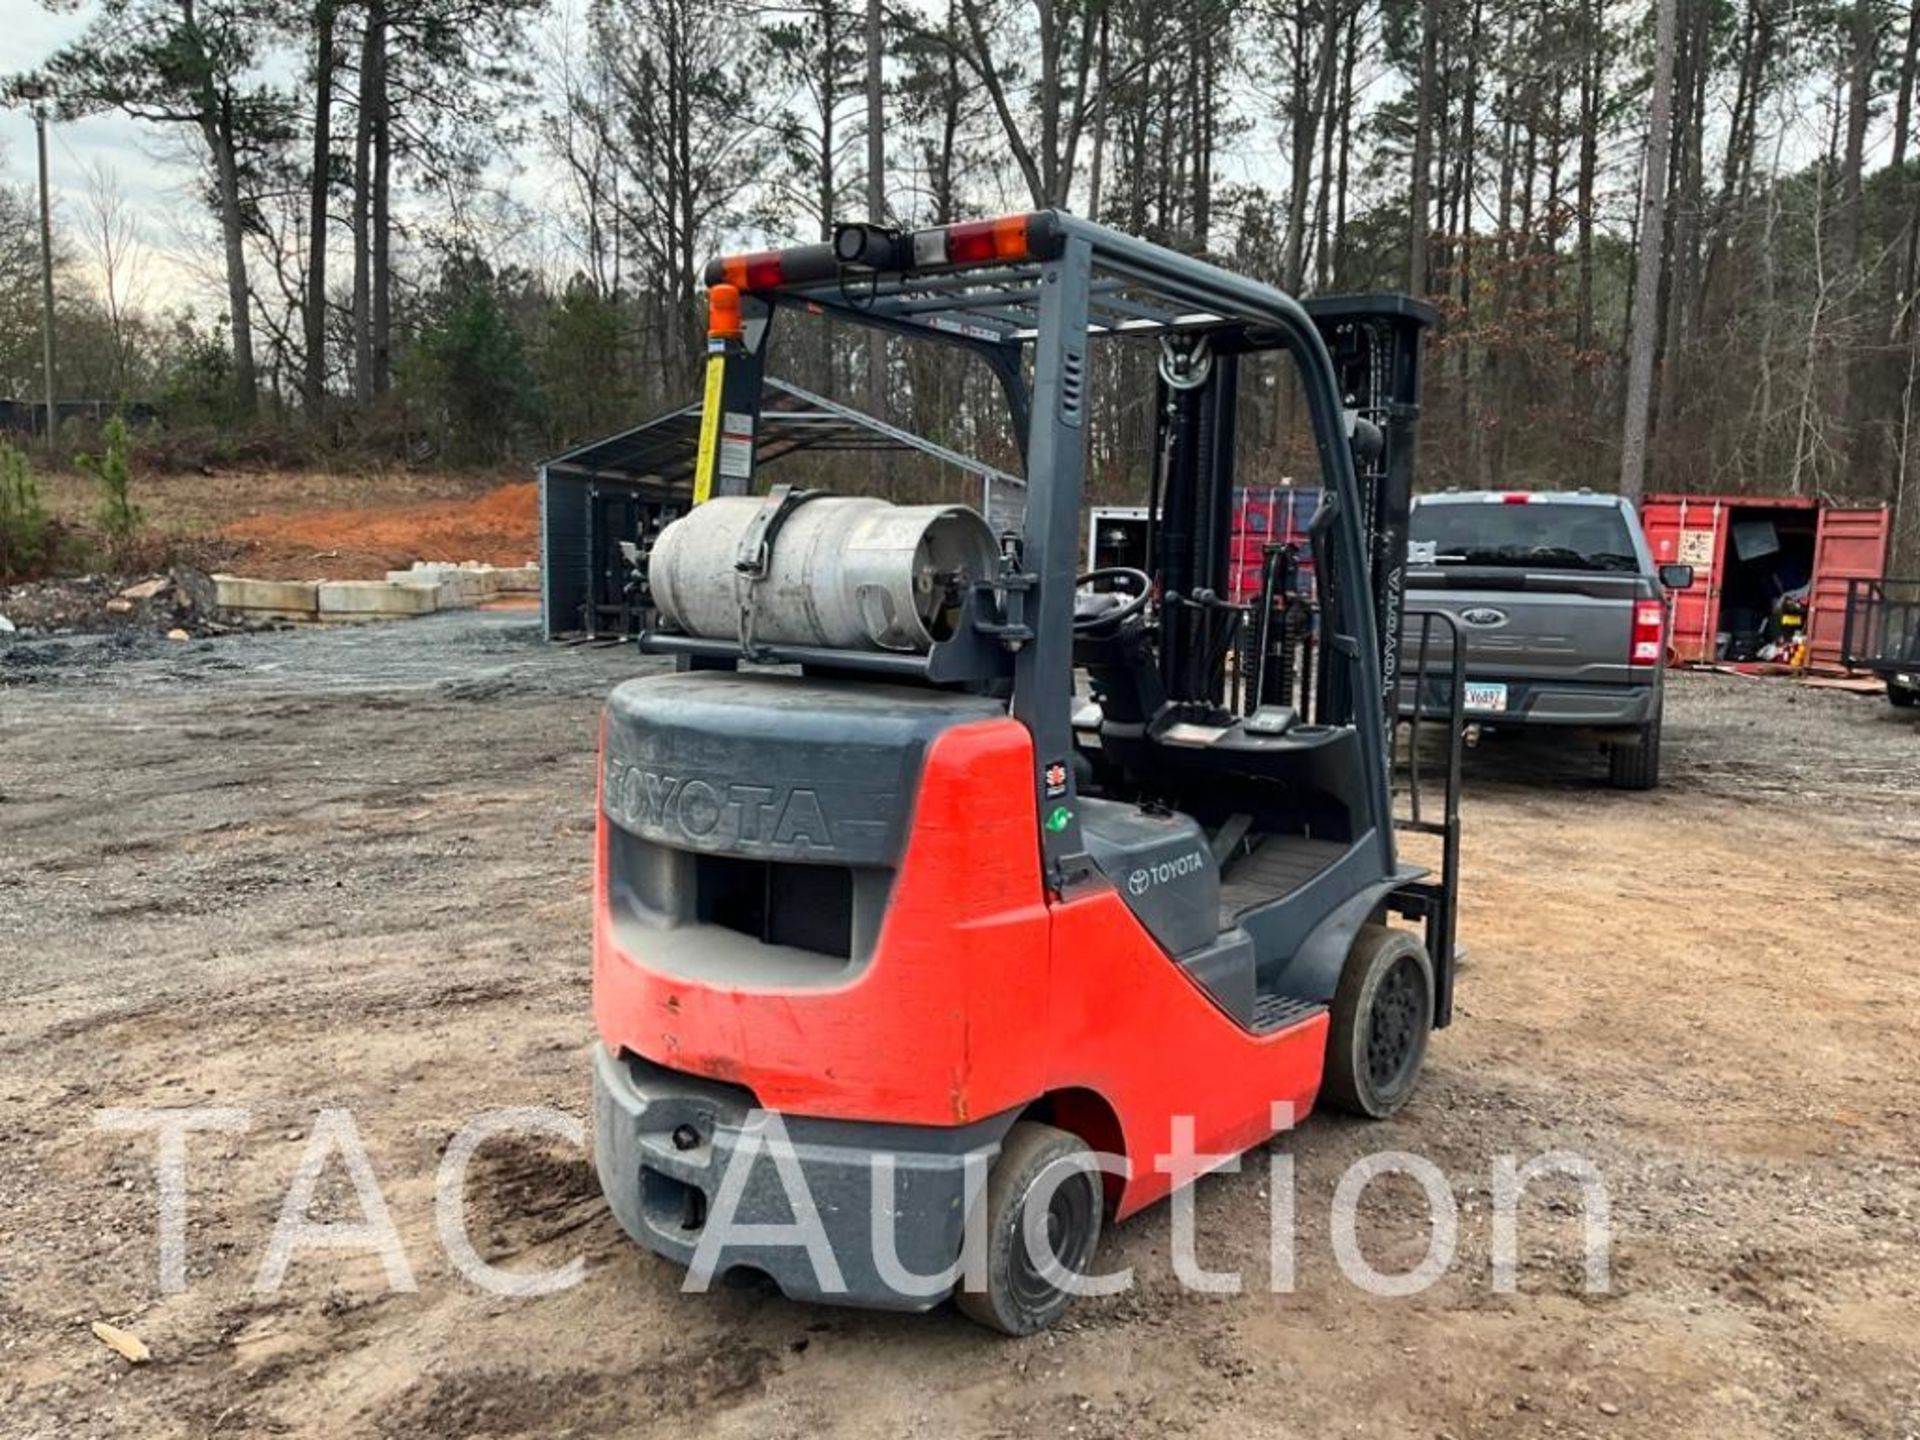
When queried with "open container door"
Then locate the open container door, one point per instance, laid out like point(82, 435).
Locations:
point(1849, 545)
point(1690, 530)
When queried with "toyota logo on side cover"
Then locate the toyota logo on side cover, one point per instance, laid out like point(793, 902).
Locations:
point(1148, 876)
point(1484, 615)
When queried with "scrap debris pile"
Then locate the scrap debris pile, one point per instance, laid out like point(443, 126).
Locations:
point(180, 603)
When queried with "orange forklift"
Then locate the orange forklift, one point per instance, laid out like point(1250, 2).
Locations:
point(935, 849)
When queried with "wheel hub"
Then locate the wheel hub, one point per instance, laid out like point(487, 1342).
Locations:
point(1395, 1023)
point(1068, 1227)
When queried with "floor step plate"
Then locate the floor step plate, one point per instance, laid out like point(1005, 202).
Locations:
point(1276, 1012)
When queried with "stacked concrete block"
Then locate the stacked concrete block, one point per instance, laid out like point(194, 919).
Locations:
point(374, 599)
point(427, 587)
point(517, 579)
point(470, 583)
point(457, 588)
point(274, 599)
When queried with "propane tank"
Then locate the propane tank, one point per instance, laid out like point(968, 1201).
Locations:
point(842, 572)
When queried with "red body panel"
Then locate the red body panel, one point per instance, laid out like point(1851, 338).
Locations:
point(1130, 1026)
point(980, 995)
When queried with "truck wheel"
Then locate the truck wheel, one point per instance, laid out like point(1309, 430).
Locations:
point(1382, 1016)
point(1901, 696)
point(1636, 767)
point(1018, 1298)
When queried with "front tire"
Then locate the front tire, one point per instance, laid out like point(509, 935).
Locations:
point(1018, 1299)
point(1901, 696)
point(1636, 767)
point(1382, 1016)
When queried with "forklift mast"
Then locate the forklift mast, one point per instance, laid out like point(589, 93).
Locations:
point(1375, 344)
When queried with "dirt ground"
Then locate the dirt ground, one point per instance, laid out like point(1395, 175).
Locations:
point(287, 872)
point(319, 524)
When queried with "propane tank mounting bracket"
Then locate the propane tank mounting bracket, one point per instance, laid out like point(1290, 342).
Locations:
point(755, 552)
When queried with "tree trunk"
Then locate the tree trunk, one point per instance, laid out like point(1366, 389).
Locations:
point(1323, 107)
point(1592, 79)
point(1850, 371)
point(876, 192)
point(1469, 149)
point(1340, 190)
point(1419, 206)
point(1859, 98)
point(382, 259)
point(362, 212)
point(1646, 280)
point(314, 375)
point(1101, 70)
point(218, 131)
point(1308, 81)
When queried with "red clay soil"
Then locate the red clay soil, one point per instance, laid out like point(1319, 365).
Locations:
point(500, 527)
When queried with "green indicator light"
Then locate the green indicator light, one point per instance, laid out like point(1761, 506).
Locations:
point(1057, 819)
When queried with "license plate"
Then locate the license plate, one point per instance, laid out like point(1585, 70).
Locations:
point(1484, 695)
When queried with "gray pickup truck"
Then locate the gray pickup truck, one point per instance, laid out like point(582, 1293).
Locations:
point(1563, 612)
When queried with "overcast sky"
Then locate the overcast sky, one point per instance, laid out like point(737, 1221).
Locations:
point(144, 162)
point(153, 168)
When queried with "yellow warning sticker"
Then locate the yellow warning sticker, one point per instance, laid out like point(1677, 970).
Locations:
point(709, 430)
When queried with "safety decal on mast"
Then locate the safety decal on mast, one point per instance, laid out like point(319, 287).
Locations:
point(736, 445)
point(709, 427)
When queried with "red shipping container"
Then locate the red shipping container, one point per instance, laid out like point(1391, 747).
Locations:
point(1746, 549)
point(1276, 515)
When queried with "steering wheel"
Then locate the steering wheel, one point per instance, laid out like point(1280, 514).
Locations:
point(1138, 581)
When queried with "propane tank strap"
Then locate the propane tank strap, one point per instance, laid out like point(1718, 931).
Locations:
point(755, 553)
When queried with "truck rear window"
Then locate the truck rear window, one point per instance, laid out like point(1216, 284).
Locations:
point(1540, 534)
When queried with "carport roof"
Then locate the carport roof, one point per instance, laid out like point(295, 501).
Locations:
point(662, 451)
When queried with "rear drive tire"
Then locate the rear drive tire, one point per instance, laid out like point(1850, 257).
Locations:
point(1018, 1298)
point(1902, 697)
point(1636, 767)
point(1382, 1017)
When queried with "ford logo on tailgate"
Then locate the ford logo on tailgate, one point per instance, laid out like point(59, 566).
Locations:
point(1484, 616)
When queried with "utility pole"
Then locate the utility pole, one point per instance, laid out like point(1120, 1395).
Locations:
point(36, 94)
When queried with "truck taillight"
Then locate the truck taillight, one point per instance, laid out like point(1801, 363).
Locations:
point(1649, 631)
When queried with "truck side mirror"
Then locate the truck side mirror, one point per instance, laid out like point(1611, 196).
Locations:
point(1676, 577)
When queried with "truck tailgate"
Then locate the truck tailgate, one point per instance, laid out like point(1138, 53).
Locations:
point(1529, 624)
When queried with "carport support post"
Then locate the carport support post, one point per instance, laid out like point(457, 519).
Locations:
point(1056, 463)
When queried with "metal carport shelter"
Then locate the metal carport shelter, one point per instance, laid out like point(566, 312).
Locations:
point(627, 486)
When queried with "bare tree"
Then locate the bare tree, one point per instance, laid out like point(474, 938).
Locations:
point(110, 240)
point(320, 189)
point(1045, 146)
point(192, 64)
point(876, 188)
point(1645, 336)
